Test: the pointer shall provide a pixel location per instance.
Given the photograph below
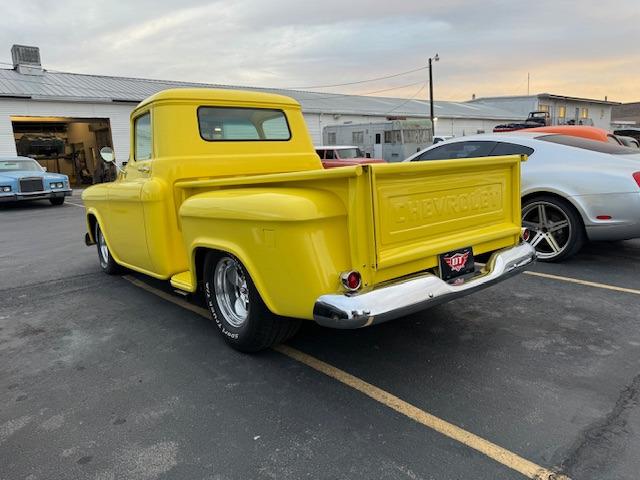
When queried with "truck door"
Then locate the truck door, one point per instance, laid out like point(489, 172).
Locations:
point(126, 230)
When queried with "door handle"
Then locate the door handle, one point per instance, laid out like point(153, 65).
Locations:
point(144, 168)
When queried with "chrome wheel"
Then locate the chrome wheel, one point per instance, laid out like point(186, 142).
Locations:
point(103, 250)
point(232, 294)
point(548, 228)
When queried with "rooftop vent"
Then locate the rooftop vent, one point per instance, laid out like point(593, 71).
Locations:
point(26, 60)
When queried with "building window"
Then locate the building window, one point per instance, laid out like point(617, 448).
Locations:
point(584, 113)
point(543, 108)
point(562, 111)
point(357, 138)
point(142, 137)
point(331, 138)
point(418, 135)
point(392, 136)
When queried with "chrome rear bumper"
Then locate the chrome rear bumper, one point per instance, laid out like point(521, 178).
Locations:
point(411, 294)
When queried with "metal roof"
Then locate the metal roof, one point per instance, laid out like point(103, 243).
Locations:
point(65, 86)
point(552, 96)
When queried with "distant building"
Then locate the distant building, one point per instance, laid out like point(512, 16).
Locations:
point(627, 114)
point(562, 109)
point(63, 119)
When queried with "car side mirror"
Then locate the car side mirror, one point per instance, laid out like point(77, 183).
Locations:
point(107, 154)
point(44, 169)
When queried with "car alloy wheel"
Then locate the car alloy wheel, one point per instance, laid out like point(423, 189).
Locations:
point(231, 291)
point(548, 228)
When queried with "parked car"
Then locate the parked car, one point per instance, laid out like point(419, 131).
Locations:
point(535, 119)
point(333, 156)
point(22, 178)
point(583, 131)
point(573, 189)
point(224, 194)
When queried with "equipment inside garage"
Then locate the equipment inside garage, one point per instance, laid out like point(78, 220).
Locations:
point(66, 145)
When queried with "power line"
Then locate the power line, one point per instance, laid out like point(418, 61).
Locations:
point(124, 92)
point(336, 95)
point(394, 75)
point(407, 100)
point(359, 81)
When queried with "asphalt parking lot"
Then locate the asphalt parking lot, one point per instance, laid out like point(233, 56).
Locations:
point(102, 379)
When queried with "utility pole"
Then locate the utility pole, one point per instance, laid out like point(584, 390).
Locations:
point(435, 59)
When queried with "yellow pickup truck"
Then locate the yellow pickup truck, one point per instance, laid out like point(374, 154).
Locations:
point(224, 193)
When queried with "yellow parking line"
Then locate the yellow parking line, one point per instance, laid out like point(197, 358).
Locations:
point(491, 450)
point(584, 282)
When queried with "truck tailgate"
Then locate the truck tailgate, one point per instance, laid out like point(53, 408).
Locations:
point(427, 208)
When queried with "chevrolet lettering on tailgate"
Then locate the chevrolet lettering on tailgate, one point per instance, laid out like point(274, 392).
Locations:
point(447, 204)
point(224, 195)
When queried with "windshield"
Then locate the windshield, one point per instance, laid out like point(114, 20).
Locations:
point(346, 153)
point(19, 164)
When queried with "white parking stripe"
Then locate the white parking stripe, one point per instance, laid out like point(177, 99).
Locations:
point(490, 449)
point(74, 204)
point(587, 283)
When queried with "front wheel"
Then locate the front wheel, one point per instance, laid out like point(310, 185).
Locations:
point(553, 227)
point(107, 263)
point(237, 308)
point(57, 200)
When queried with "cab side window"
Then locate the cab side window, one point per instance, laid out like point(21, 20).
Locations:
point(142, 137)
point(330, 154)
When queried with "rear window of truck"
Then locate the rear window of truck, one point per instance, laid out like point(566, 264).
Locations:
point(233, 124)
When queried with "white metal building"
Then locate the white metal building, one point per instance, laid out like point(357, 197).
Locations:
point(562, 109)
point(86, 112)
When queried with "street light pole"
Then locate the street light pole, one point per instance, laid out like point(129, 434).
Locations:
point(435, 59)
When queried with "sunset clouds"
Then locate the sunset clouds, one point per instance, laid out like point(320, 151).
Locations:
point(585, 48)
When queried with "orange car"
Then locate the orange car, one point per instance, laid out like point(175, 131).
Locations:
point(592, 133)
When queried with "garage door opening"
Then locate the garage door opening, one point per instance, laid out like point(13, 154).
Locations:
point(66, 145)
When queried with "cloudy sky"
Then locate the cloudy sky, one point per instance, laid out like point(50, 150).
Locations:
point(582, 48)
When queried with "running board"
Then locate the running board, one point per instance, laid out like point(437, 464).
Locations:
point(182, 281)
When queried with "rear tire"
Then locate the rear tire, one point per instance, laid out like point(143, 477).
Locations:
point(237, 308)
point(57, 200)
point(554, 227)
point(107, 263)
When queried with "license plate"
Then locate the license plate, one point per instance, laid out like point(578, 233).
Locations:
point(456, 263)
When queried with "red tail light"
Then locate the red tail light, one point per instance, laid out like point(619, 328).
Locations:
point(351, 280)
point(636, 177)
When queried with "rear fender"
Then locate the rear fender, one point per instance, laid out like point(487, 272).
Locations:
point(293, 242)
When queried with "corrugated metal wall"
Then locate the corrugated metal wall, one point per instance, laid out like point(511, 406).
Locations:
point(118, 115)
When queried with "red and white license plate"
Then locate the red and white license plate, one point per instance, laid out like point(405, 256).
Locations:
point(456, 263)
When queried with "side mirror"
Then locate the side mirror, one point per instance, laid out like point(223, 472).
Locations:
point(107, 154)
point(44, 169)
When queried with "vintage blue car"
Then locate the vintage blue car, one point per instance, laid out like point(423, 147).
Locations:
point(22, 178)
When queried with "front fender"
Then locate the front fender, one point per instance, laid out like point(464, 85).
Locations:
point(293, 242)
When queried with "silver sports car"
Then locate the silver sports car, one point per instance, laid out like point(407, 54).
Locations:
point(573, 189)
